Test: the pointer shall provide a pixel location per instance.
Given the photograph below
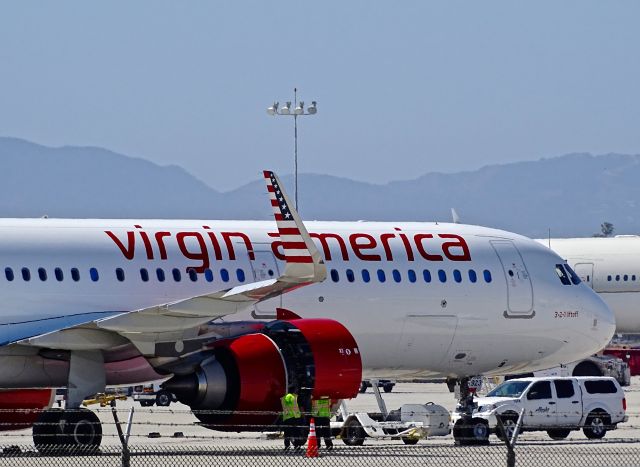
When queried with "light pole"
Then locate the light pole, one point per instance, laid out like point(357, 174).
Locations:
point(298, 111)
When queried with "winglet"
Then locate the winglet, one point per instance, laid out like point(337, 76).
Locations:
point(303, 260)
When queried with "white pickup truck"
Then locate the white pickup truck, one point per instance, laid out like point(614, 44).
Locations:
point(553, 404)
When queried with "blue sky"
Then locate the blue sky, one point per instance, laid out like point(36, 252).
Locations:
point(403, 88)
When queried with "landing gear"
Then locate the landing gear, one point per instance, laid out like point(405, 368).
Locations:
point(74, 430)
point(468, 430)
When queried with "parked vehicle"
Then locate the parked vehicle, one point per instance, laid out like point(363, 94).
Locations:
point(149, 394)
point(411, 422)
point(556, 405)
point(386, 385)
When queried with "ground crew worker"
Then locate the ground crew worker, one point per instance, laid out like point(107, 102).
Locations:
point(321, 411)
point(291, 420)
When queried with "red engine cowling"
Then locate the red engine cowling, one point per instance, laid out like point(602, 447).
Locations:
point(19, 408)
point(239, 387)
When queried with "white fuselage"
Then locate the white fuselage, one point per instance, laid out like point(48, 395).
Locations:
point(489, 301)
point(611, 266)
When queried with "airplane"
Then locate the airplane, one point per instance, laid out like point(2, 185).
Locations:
point(237, 313)
point(609, 265)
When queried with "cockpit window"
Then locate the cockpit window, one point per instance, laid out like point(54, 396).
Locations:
point(574, 277)
point(562, 274)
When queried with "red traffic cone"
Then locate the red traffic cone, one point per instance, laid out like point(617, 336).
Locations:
point(312, 441)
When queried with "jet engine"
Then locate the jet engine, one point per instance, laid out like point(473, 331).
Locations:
point(239, 385)
point(20, 408)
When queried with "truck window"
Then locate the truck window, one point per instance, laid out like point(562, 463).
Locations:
point(600, 386)
point(540, 390)
point(564, 388)
point(509, 389)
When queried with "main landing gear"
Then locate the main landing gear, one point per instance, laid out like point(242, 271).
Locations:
point(468, 430)
point(70, 430)
point(74, 429)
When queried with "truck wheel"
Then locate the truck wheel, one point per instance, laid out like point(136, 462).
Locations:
point(388, 387)
point(558, 433)
point(509, 422)
point(410, 440)
point(163, 399)
point(353, 433)
point(595, 427)
point(363, 387)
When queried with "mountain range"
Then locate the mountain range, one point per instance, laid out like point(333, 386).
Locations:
point(569, 195)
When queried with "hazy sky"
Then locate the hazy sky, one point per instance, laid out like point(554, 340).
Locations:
point(403, 88)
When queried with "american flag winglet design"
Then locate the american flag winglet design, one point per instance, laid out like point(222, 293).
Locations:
point(295, 250)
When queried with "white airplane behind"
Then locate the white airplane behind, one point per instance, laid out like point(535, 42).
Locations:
point(89, 303)
point(611, 266)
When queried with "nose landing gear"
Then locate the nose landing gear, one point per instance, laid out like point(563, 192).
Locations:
point(468, 430)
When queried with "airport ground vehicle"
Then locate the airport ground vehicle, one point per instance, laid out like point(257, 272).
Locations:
point(149, 394)
point(631, 356)
point(411, 422)
point(553, 404)
point(596, 365)
point(386, 385)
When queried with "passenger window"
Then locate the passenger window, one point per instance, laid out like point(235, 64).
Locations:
point(564, 388)
point(617, 277)
point(224, 275)
point(473, 277)
point(442, 275)
point(208, 275)
point(396, 275)
point(540, 390)
point(426, 274)
point(366, 277)
point(93, 272)
point(381, 275)
point(562, 274)
point(487, 275)
point(609, 278)
point(42, 274)
point(335, 277)
point(240, 275)
point(600, 386)
point(193, 275)
point(411, 274)
point(8, 273)
point(160, 274)
point(59, 275)
point(625, 278)
point(26, 274)
point(457, 276)
point(633, 277)
point(120, 274)
point(144, 275)
point(176, 274)
point(75, 274)
point(350, 276)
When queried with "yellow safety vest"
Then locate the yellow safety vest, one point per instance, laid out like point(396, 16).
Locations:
point(290, 409)
point(321, 408)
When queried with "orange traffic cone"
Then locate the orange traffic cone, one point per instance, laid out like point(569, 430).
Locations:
point(312, 441)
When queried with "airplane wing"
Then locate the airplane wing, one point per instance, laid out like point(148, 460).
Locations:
point(179, 319)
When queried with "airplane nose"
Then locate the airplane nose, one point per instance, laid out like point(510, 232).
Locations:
point(603, 320)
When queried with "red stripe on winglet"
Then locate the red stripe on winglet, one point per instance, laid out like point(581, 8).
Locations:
point(274, 202)
point(267, 174)
point(279, 217)
point(271, 189)
point(288, 230)
point(294, 245)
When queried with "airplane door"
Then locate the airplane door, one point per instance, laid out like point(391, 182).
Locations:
point(265, 267)
point(585, 272)
point(519, 288)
